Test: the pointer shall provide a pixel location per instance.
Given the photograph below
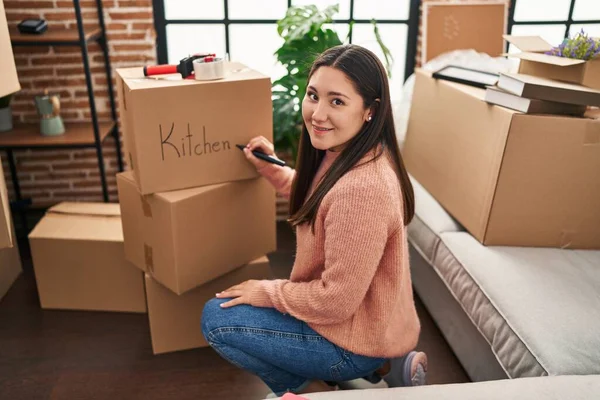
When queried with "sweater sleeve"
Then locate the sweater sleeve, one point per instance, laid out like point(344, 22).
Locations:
point(357, 225)
point(280, 177)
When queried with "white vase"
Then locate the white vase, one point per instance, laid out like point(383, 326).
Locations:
point(5, 119)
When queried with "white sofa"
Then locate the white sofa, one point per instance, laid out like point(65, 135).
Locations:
point(541, 388)
point(507, 312)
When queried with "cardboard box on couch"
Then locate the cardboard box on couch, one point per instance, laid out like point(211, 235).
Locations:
point(9, 82)
point(6, 236)
point(533, 61)
point(79, 260)
point(185, 238)
point(509, 178)
point(175, 320)
point(182, 133)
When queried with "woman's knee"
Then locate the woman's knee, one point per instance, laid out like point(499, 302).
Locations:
point(212, 316)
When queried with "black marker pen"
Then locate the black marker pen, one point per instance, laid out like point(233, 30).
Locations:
point(263, 156)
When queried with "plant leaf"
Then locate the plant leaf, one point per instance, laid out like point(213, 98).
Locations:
point(389, 59)
point(304, 21)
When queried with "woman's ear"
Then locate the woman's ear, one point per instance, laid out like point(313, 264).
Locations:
point(370, 112)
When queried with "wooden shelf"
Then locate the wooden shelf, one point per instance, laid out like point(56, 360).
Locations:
point(53, 36)
point(77, 134)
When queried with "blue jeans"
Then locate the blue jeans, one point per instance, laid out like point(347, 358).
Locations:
point(282, 350)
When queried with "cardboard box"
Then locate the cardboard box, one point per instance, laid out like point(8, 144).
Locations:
point(182, 133)
point(509, 178)
point(477, 25)
point(79, 260)
point(533, 61)
point(6, 236)
point(185, 238)
point(10, 268)
point(9, 83)
point(175, 320)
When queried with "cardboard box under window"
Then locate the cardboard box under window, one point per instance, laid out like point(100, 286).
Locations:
point(9, 82)
point(185, 238)
point(175, 320)
point(509, 178)
point(6, 237)
point(79, 260)
point(533, 61)
point(182, 133)
point(476, 25)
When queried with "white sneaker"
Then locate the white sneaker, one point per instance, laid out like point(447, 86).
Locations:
point(414, 369)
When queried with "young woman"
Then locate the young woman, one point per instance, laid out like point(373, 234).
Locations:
point(348, 306)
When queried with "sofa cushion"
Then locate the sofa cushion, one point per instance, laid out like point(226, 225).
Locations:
point(540, 388)
point(429, 221)
point(538, 308)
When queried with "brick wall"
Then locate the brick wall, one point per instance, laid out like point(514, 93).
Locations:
point(50, 176)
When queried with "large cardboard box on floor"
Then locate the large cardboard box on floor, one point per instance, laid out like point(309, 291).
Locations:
point(182, 133)
point(509, 178)
point(9, 82)
point(6, 236)
point(185, 238)
point(79, 260)
point(175, 320)
point(533, 61)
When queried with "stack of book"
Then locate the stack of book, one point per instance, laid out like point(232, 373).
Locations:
point(536, 95)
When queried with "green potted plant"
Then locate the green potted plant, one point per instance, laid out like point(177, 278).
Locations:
point(305, 37)
point(580, 47)
point(5, 113)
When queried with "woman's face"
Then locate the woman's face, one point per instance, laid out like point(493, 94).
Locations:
point(332, 109)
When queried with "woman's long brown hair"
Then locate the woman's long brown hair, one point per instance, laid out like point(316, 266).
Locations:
point(368, 75)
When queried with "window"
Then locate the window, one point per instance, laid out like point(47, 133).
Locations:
point(554, 20)
point(246, 30)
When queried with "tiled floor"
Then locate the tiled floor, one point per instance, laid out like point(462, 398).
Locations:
point(93, 355)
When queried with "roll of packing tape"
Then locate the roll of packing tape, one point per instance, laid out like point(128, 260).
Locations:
point(209, 70)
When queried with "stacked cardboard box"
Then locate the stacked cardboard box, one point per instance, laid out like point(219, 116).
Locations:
point(509, 178)
point(196, 215)
point(10, 262)
point(534, 61)
point(9, 82)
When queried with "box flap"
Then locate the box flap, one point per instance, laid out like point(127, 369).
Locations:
point(80, 221)
point(134, 77)
point(547, 59)
point(80, 208)
point(534, 44)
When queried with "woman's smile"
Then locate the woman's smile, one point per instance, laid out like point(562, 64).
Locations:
point(319, 130)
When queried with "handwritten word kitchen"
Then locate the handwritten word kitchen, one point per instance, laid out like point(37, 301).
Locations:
point(170, 147)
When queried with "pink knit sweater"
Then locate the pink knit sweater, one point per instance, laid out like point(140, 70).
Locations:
point(351, 279)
